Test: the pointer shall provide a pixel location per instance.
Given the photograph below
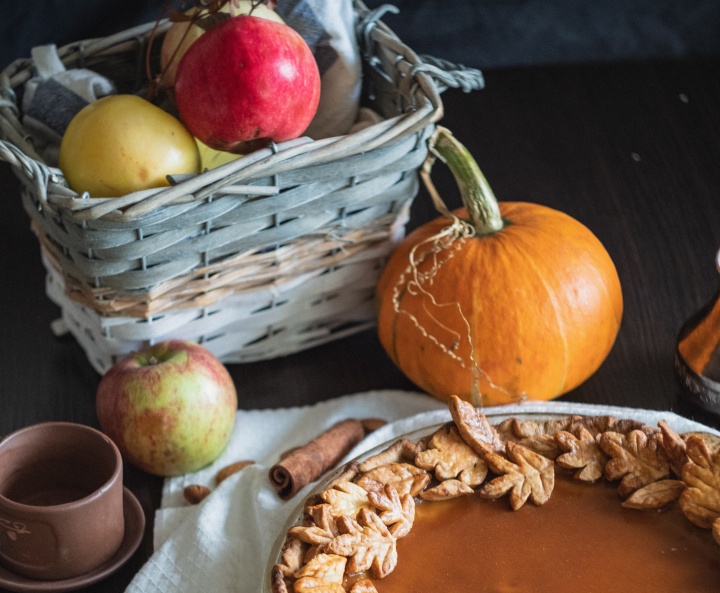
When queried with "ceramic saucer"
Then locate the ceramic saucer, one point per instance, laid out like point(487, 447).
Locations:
point(134, 529)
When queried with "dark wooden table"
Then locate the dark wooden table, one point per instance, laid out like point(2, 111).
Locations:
point(631, 150)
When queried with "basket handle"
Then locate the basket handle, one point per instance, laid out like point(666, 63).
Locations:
point(32, 169)
point(446, 74)
point(450, 75)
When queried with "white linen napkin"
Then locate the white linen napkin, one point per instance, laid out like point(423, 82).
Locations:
point(223, 543)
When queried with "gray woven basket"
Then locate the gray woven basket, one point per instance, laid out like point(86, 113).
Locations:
point(267, 255)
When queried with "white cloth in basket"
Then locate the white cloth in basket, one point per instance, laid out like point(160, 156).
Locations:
point(54, 96)
point(328, 28)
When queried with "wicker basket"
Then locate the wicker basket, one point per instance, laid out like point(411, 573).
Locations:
point(267, 255)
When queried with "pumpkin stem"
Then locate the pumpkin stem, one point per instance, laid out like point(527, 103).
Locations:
point(475, 191)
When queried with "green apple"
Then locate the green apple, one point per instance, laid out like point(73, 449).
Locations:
point(170, 408)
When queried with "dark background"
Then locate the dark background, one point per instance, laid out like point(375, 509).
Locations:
point(478, 33)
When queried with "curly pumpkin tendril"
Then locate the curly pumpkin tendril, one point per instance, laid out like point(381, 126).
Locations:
point(439, 248)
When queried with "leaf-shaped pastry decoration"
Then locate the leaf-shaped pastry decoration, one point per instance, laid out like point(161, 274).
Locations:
point(367, 544)
point(582, 453)
point(398, 452)
point(530, 476)
point(395, 512)
point(636, 459)
point(345, 498)
point(538, 436)
point(446, 490)
point(655, 495)
point(321, 531)
point(712, 440)
point(405, 478)
point(450, 457)
point(292, 557)
point(700, 502)
point(316, 585)
point(324, 573)
point(599, 424)
point(674, 446)
point(363, 586)
point(474, 427)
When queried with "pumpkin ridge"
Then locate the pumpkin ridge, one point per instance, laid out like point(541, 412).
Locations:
point(520, 240)
point(404, 300)
point(395, 317)
point(589, 254)
point(516, 246)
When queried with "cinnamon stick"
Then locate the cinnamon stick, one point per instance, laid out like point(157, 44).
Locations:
point(307, 463)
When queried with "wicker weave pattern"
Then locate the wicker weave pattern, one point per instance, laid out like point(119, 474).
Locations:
point(269, 254)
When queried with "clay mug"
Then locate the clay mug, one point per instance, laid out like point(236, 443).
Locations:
point(61, 500)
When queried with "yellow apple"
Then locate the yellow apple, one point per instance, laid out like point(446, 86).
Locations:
point(211, 158)
point(123, 143)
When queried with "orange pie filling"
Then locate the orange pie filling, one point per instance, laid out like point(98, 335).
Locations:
point(581, 540)
point(590, 504)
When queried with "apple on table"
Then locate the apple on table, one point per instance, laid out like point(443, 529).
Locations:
point(169, 408)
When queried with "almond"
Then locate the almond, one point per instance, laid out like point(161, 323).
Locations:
point(372, 424)
point(195, 493)
point(231, 469)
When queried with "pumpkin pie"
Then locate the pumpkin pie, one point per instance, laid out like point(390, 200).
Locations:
point(580, 503)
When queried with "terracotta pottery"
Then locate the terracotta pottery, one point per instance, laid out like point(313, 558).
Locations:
point(61, 500)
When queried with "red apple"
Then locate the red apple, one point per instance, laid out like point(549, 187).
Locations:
point(182, 34)
point(170, 408)
point(246, 82)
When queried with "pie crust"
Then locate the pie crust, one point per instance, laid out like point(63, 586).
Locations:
point(353, 525)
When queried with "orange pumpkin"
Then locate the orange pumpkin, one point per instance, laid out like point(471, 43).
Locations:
point(497, 302)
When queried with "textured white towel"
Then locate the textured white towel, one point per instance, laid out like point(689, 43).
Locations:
point(223, 543)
